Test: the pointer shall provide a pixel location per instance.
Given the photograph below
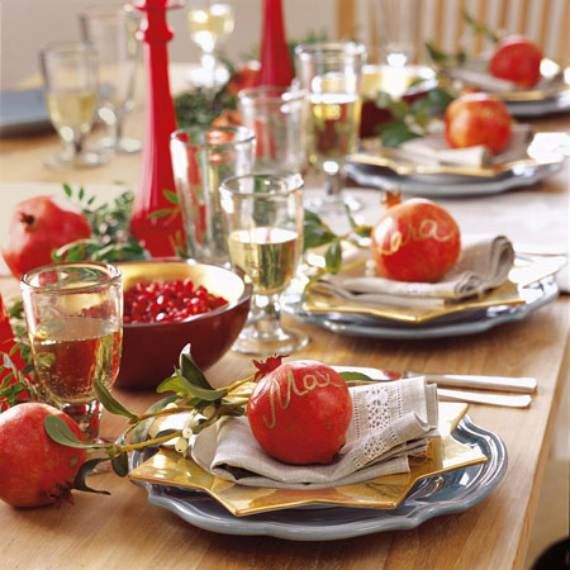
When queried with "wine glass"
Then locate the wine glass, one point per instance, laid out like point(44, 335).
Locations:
point(70, 77)
point(278, 117)
point(111, 32)
point(201, 159)
point(398, 30)
point(74, 314)
point(331, 73)
point(263, 218)
point(210, 22)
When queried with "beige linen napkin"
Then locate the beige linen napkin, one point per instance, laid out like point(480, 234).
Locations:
point(390, 421)
point(433, 149)
point(484, 264)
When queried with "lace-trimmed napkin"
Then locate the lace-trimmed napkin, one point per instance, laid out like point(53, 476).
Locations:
point(433, 149)
point(484, 264)
point(390, 421)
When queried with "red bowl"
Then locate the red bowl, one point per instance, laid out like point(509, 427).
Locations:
point(151, 350)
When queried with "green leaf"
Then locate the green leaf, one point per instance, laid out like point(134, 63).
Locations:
point(311, 217)
point(120, 464)
point(183, 387)
point(355, 376)
point(172, 197)
point(395, 133)
point(190, 369)
point(67, 189)
point(479, 27)
point(59, 432)
point(315, 235)
point(162, 213)
point(80, 484)
point(110, 403)
point(81, 194)
point(436, 55)
point(333, 256)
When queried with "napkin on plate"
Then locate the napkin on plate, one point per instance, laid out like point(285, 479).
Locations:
point(433, 149)
point(484, 264)
point(390, 421)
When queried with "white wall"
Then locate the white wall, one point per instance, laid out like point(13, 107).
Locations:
point(28, 25)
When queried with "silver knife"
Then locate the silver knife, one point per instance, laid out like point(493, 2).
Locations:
point(522, 385)
point(490, 399)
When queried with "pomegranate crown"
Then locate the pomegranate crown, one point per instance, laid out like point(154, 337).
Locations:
point(264, 367)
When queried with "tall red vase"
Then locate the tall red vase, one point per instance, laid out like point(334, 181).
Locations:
point(276, 68)
point(160, 235)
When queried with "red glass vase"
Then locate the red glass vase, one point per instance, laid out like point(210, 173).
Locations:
point(276, 68)
point(161, 235)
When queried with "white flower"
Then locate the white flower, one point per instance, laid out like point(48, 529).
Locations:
point(181, 445)
point(208, 412)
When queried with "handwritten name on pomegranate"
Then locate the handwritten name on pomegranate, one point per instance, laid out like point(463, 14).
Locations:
point(280, 393)
point(428, 229)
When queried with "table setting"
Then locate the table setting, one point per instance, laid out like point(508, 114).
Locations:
point(314, 297)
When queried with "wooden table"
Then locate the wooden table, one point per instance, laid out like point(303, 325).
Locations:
point(124, 531)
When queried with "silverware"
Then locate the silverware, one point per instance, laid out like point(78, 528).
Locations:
point(501, 400)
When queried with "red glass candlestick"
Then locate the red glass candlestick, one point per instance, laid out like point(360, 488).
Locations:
point(276, 68)
point(159, 234)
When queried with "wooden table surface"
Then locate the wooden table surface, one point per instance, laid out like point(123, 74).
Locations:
point(124, 531)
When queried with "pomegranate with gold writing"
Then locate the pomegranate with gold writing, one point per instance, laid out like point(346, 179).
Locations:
point(300, 411)
point(415, 240)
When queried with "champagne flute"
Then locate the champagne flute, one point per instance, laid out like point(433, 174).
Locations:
point(331, 73)
point(74, 317)
point(111, 32)
point(210, 22)
point(70, 76)
point(263, 217)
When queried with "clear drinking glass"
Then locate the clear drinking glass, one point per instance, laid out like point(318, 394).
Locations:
point(74, 313)
point(398, 31)
point(71, 84)
point(111, 32)
point(278, 117)
point(263, 217)
point(331, 73)
point(210, 22)
point(201, 159)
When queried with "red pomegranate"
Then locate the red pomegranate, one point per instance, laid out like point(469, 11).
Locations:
point(38, 226)
point(300, 411)
point(518, 60)
point(34, 470)
point(415, 240)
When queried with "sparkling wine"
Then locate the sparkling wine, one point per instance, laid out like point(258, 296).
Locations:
point(268, 256)
point(335, 121)
point(70, 353)
point(72, 112)
point(210, 25)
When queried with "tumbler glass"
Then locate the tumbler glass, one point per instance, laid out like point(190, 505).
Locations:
point(74, 314)
point(398, 31)
point(278, 117)
point(331, 73)
point(263, 217)
point(201, 159)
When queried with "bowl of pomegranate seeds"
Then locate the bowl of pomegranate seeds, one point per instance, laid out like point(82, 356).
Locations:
point(169, 303)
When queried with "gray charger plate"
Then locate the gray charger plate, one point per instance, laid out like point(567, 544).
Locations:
point(458, 324)
point(452, 492)
point(446, 185)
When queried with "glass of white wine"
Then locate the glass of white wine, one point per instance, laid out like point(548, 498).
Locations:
point(332, 73)
point(111, 30)
point(74, 318)
point(263, 218)
point(210, 22)
point(70, 78)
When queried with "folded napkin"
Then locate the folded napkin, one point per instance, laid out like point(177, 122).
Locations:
point(484, 264)
point(433, 149)
point(482, 78)
point(390, 421)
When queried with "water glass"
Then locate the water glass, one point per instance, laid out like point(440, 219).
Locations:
point(263, 221)
point(398, 31)
point(111, 32)
point(278, 117)
point(70, 77)
point(201, 159)
point(331, 73)
point(74, 316)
